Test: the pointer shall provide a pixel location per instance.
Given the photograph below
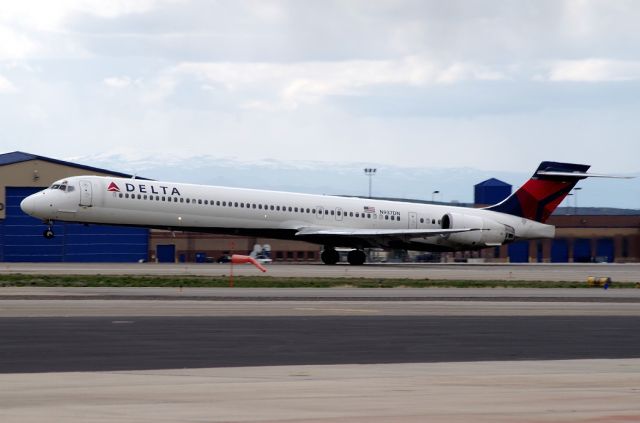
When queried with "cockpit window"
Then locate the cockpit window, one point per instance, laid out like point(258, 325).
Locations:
point(64, 186)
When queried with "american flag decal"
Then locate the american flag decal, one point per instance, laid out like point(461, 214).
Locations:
point(368, 209)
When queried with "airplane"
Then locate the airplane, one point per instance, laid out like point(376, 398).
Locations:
point(332, 221)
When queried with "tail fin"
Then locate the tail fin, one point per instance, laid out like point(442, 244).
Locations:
point(544, 192)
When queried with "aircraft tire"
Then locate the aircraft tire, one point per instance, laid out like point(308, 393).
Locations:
point(356, 257)
point(330, 256)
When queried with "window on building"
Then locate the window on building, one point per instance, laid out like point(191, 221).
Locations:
point(300, 255)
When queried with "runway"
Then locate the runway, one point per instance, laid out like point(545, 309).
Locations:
point(273, 355)
point(437, 271)
point(144, 343)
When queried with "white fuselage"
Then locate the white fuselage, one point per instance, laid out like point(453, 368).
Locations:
point(175, 206)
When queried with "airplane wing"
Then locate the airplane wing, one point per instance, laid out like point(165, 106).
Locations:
point(363, 233)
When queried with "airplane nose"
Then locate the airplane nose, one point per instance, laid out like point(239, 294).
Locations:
point(27, 205)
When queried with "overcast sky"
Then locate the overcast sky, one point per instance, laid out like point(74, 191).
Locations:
point(493, 85)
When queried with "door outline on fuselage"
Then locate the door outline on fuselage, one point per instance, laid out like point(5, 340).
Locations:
point(413, 220)
point(338, 213)
point(85, 193)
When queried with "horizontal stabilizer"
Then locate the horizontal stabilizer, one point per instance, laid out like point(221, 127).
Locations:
point(582, 175)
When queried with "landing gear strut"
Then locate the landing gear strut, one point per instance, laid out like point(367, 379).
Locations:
point(48, 233)
point(329, 256)
point(356, 257)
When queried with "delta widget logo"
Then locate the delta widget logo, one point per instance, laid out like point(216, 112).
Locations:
point(113, 187)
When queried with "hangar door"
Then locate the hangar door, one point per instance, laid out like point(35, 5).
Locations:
point(519, 252)
point(605, 250)
point(22, 239)
point(559, 251)
point(581, 250)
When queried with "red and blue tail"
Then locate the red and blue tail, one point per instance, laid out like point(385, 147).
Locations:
point(544, 192)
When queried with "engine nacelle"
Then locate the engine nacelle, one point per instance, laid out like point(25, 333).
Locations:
point(490, 233)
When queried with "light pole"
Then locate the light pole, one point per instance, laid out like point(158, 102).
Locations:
point(575, 198)
point(369, 171)
point(433, 195)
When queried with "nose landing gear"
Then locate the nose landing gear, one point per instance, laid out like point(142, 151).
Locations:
point(48, 233)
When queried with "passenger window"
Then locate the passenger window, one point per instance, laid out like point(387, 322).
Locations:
point(433, 221)
point(421, 220)
point(295, 209)
point(332, 212)
point(260, 206)
point(386, 217)
point(393, 218)
point(277, 208)
point(139, 196)
point(199, 201)
point(357, 214)
point(309, 211)
point(188, 200)
point(182, 200)
point(290, 208)
point(369, 215)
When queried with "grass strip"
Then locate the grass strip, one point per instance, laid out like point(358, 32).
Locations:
point(23, 280)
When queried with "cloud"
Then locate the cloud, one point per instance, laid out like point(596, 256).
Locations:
point(117, 82)
point(14, 45)
point(6, 86)
point(290, 85)
point(594, 70)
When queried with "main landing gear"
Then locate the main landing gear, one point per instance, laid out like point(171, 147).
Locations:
point(354, 257)
point(48, 233)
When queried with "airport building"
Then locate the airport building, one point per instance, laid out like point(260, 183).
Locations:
point(21, 238)
point(583, 235)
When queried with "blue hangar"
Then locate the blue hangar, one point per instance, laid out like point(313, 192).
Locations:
point(21, 240)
